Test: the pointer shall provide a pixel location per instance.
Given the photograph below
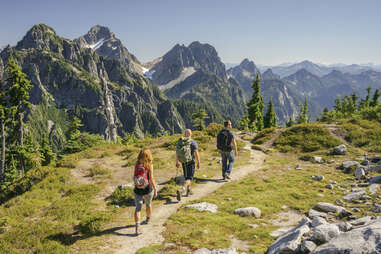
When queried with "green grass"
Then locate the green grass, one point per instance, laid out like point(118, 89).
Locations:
point(363, 134)
point(305, 138)
point(269, 189)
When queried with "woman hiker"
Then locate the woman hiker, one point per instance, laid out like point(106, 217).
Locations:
point(145, 186)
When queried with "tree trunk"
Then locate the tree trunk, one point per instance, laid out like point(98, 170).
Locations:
point(2, 169)
point(21, 142)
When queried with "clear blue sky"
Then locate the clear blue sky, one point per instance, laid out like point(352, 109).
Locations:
point(267, 31)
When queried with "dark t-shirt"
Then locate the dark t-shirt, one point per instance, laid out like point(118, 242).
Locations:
point(194, 146)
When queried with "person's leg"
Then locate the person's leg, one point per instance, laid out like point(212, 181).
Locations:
point(138, 208)
point(190, 174)
point(148, 200)
point(231, 162)
point(224, 163)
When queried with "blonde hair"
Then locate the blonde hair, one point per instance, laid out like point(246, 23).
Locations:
point(145, 158)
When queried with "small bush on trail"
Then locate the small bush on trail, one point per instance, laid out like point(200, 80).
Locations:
point(169, 189)
point(99, 172)
point(264, 136)
point(122, 196)
point(305, 138)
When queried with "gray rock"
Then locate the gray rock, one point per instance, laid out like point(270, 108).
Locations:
point(298, 167)
point(364, 239)
point(333, 182)
point(356, 210)
point(339, 150)
point(339, 202)
point(325, 232)
point(290, 241)
point(363, 184)
point(344, 226)
point(313, 213)
point(316, 221)
point(317, 159)
point(317, 178)
point(327, 207)
point(376, 208)
point(361, 221)
point(307, 246)
point(376, 179)
point(248, 211)
point(373, 188)
point(329, 186)
point(354, 196)
point(216, 251)
point(360, 173)
point(203, 206)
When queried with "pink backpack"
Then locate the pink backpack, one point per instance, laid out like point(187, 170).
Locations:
point(141, 176)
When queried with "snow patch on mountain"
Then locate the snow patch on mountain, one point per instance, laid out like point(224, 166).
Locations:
point(185, 73)
point(97, 45)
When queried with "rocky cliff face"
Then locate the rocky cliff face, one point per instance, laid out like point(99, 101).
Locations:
point(103, 93)
point(196, 73)
point(245, 73)
point(104, 43)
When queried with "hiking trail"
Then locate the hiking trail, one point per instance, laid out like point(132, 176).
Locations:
point(152, 233)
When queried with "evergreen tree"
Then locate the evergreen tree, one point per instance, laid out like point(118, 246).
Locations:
point(47, 154)
point(245, 122)
point(73, 143)
point(198, 119)
point(366, 103)
point(270, 117)
point(255, 106)
point(303, 118)
point(374, 101)
point(3, 119)
point(290, 122)
point(19, 88)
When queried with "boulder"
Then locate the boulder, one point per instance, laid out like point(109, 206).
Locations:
point(318, 178)
point(317, 159)
point(376, 179)
point(375, 159)
point(307, 246)
point(329, 186)
point(360, 173)
point(339, 150)
point(325, 232)
point(290, 241)
point(354, 195)
point(364, 239)
point(376, 168)
point(373, 188)
point(280, 231)
point(248, 211)
point(327, 207)
point(204, 206)
point(344, 226)
point(313, 213)
point(362, 221)
point(349, 166)
point(316, 221)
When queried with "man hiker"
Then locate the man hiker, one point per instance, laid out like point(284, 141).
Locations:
point(186, 153)
point(226, 144)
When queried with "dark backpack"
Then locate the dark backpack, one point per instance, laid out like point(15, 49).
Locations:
point(224, 141)
point(141, 177)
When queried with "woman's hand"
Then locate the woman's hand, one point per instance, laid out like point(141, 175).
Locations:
point(154, 193)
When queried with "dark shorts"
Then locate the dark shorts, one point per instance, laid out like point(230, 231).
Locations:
point(188, 169)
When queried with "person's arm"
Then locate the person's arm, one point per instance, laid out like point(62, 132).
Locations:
point(235, 147)
point(197, 158)
point(153, 181)
point(177, 162)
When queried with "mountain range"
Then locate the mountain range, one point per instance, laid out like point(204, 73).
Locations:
point(97, 79)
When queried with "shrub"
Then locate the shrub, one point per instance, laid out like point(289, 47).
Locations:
point(264, 136)
point(363, 133)
point(305, 138)
point(122, 196)
point(213, 128)
point(92, 224)
point(98, 171)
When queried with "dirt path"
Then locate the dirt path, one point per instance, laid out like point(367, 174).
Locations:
point(334, 130)
point(152, 233)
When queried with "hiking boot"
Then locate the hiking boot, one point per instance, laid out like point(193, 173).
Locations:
point(178, 195)
point(148, 219)
point(189, 192)
point(228, 176)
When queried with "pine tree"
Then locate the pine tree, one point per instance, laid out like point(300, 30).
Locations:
point(19, 88)
point(198, 119)
point(270, 117)
point(374, 101)
point(290, 122)
point(47, 154)
point(3, 119)
point(303, 118)
point(366, 103)
point(73, 143)
point(244, 122)
point(255, 106)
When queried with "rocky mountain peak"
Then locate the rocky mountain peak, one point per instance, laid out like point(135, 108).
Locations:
point(248, 65)
point(40, 37)
point(97, 33)
point(269, 75)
